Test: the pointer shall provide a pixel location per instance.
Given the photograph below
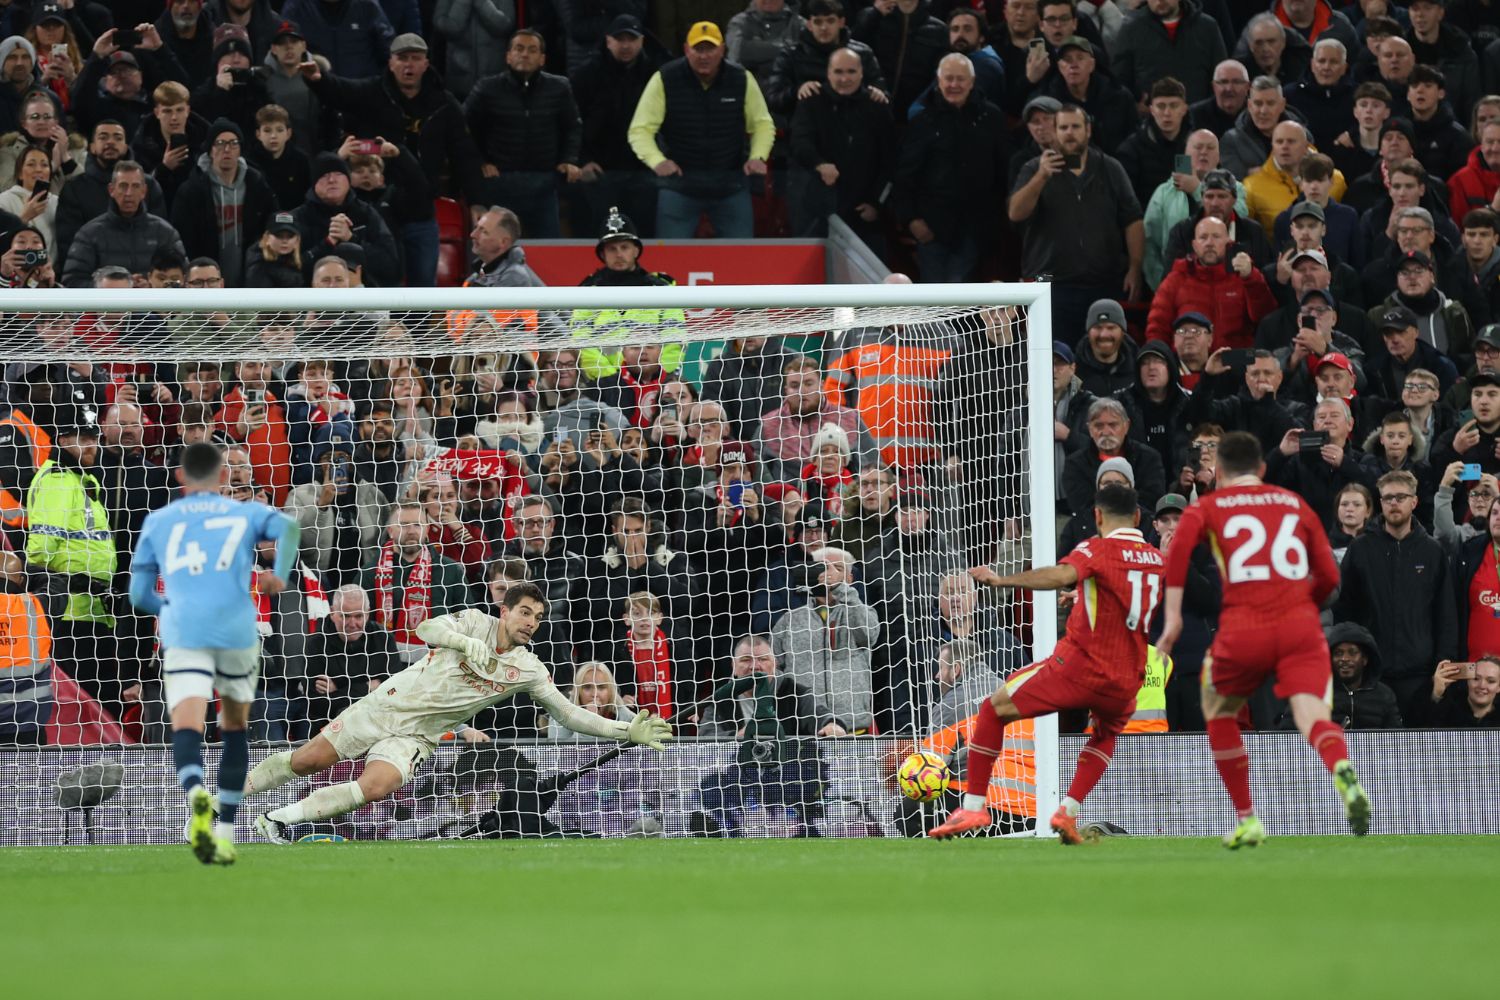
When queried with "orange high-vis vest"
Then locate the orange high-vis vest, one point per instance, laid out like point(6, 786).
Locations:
point(459, 320)
point(25, 649)
point(1013, 785)
point(12, 507)
point(893, 388)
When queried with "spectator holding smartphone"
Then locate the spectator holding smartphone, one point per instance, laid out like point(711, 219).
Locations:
point(1480, 492)
point(25, 263)
point(31, 199)
point(254, 415)
point(1463, 695)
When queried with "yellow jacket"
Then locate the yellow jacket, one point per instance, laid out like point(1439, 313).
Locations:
point(1270, 191)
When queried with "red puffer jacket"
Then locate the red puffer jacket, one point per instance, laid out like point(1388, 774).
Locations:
point(1234, 304)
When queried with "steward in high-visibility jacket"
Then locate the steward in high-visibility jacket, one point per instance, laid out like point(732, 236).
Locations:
point(619, 249)
point(69, 533)
point(26, 696)
point(1013, 784)
point(24, 448)
point(891, 379)
point(1151, 700)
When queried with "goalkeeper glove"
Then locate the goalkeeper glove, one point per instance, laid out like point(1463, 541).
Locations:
point(476, 651)
point(649, 730)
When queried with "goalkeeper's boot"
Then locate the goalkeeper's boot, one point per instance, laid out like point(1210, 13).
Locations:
point(187, 826)
point(1356, 802)
point(1250, 833)
point(200, 828)
point(273, 830)
point(224, 852)
point(1066, 827)
point(961, 821)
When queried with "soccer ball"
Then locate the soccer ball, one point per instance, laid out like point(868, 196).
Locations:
point(923, 776)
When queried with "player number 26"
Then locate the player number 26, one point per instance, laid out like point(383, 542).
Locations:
point(1288, 556)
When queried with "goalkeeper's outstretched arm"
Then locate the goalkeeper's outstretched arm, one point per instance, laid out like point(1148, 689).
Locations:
point(645, 729)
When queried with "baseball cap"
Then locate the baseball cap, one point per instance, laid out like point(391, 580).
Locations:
point(1193, 317)
point(626, 24)
point(1314, 255)
point(1043, 103)
point(1396, 318)
point(1311, 208)
point(288, 29)
point(1106, 311)
point(1337, 360)
point(408, 41)
point(48, 12)
point(1414, 257)
point(1061, 350)
point(1490, 335)
point(1318, 293)
point(283, 222)
point(351, 253)
point(1076, 42)
point(1484, 378)
point(1171, 501)
point(120, 57)
point(1119, 465)
point(704, 31)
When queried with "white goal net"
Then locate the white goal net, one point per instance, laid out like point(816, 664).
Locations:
point(751, 511)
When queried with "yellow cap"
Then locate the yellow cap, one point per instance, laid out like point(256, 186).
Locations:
point(705, 31)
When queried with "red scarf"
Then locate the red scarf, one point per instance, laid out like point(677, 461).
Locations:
point(835, 488)
point(416, 596)
point(488, 463)
point(646, 396)
point(312, 592)
point(653, 674)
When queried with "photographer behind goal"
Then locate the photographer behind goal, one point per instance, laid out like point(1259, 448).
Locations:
point(778, 764)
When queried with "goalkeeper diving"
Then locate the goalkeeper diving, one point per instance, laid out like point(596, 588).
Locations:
point(475, 660)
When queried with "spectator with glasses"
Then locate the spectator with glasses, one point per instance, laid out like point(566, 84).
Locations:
point(41, 124)
point(1231, 92)
point(1448, 527)
point(1398, 583)
point(223, 208)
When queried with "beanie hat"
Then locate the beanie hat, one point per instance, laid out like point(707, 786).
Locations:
point(328, 163)
point(1115, 465)
point(831, 434)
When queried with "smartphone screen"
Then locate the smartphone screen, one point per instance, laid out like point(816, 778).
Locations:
point(1182, 164)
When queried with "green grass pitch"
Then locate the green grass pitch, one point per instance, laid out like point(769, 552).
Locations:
point(775, 920)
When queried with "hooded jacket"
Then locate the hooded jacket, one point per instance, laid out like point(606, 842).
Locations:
point(755, 38)
point(221, 220)
point(1370, 704)
point(1234, 304)
point(1402, 592)
point(806, 60)
point(1441, 322)
point(1144, 52)
point(1161, 425)
point(1472, 186)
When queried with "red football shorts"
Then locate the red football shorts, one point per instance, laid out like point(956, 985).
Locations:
point(1296, 655)
point(1050, 686)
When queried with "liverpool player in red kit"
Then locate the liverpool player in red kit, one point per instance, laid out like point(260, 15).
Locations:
point(1277, 569)
point(1099, 665)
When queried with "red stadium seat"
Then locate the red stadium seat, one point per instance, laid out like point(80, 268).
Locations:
point(453, 242)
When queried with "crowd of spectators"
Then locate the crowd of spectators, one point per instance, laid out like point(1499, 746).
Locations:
point(1281, 221)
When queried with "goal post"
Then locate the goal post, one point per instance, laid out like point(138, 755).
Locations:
point(929, 447)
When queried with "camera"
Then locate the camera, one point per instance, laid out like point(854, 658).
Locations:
point(33, 258)
point(1312, 440)
point(760, 746)
point(808, 576)
point(243, 77)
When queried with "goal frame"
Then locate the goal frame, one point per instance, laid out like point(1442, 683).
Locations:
point(1034, 297)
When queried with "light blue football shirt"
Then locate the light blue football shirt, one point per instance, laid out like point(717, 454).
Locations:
point(203, 547)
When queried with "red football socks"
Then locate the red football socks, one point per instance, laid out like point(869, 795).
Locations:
point(1233, 763)
point(1327, 738)
point(1092, 762)
point(984, 747)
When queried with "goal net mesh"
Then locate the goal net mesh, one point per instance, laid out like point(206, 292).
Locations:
point(754, 521)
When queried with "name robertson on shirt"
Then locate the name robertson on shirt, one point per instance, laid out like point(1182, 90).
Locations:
point(1256, 500)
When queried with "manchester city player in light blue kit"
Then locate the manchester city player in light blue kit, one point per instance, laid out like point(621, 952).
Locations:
point(202, 545)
